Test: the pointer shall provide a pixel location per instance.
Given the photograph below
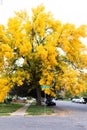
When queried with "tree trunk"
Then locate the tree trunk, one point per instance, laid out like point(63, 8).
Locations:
point(38, 99)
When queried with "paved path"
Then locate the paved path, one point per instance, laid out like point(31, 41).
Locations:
point(21, 111)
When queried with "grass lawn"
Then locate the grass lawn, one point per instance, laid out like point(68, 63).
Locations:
point(6, 109)
point(39, 110)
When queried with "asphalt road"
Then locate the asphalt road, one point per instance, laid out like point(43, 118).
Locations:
point(70, 116)
point(69, 107)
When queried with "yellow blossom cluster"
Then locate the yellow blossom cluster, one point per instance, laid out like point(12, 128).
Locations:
point(73, 81)
point(36, 40)
point(25, 48)
point(47, 80)
point(19, 77)
point(41, 52)
point(5, 86)
point(7, 51)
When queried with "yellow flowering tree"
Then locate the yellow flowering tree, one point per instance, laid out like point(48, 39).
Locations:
point(42, 51)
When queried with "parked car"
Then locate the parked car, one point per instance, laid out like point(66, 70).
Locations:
point(85, 99)
point(22, 98)
point(51, 102)
point(79, 100)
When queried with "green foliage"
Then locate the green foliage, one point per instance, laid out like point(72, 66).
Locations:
point(6, 109)
point(39, 110)
point(84, 94)
point(67, 95)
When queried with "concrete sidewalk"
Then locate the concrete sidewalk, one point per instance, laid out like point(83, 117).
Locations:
point(21, 111)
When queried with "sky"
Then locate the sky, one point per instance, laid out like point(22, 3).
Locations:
point(71, 11)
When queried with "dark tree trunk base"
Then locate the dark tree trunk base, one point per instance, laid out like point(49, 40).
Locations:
point(38, 99)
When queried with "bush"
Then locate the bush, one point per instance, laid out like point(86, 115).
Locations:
point(8, 100)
